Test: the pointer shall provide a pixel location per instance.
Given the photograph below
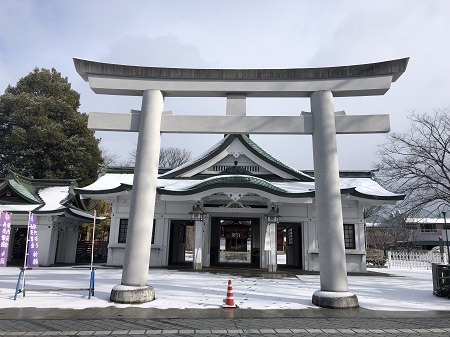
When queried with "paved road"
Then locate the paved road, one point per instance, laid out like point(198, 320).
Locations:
point(221, 322)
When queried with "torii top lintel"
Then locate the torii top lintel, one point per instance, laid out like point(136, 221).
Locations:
point(353, 80)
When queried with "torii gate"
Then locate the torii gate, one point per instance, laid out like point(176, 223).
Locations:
point(319, 84)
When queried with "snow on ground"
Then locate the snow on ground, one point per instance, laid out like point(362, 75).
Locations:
point(392, 290)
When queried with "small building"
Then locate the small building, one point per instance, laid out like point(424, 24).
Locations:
point(427, 233)
point(422, 233)
point(58, 212)
point(236, 184)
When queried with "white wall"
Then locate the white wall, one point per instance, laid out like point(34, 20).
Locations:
point(303, 214)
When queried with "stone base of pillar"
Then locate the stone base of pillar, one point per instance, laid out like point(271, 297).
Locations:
point(335, 300)
point(197, 266)
point(132, 295)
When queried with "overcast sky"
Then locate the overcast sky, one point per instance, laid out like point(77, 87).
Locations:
point(238, 34)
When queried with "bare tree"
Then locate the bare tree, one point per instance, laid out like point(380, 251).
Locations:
point(372, 213)
point(109, 158)
point(169, 157)
point(417, 163)
point(390, 232)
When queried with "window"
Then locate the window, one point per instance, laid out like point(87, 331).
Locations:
point(123, 229)
point(349, 236)
point(428, 228)
point(411, 226)
point(289, 236)
point(153, 231)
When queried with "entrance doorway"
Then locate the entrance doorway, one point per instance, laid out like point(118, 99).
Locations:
point(289, 238)
point(235, 241)
point(181, 248)
point(18, 245)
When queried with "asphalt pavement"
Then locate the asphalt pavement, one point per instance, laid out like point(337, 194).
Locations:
point(131, 321)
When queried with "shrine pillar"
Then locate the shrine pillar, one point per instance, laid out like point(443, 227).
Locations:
point(198, 245)
point(133, 287)
point(333, 291)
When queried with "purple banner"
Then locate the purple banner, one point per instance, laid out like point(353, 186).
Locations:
point(5, 232)
point(33, 245)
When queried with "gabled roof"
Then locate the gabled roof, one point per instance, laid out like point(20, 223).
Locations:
point(19, 189)
point(19, 194)
point(111, 184)
point(248, 144)
point(189, 179)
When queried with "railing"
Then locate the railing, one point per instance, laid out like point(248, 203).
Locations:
point(414, 259)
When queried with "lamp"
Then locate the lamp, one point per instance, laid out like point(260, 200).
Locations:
point(273, 216)
point(444, 213)
point(197, 213)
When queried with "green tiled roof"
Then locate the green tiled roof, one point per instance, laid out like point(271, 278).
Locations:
point(219, 147)
point(250, 145)
point(236, 181)
point(239, 181)
point(28, 188)
point(24, 188)
point(117, 169)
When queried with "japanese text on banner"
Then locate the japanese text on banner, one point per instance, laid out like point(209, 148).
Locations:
point(5, 233)
point(33, 244)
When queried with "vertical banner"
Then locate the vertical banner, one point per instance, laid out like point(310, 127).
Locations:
point(5, 232)
point(33, 245)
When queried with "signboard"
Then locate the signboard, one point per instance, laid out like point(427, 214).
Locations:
point(5, 233)
point(267, 238)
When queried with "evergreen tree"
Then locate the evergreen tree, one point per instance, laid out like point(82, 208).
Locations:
point(43, 135)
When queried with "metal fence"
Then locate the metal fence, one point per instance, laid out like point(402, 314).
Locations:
point(84, 249)
point(403, 259)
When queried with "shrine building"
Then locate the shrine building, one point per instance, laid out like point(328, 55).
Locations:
point(235, 186)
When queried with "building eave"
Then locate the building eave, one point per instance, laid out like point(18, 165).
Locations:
point(85, 193)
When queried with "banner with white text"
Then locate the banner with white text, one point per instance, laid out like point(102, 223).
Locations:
point(33, 244)
point(5, 230)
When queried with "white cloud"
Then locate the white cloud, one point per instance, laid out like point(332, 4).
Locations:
point(237, 34)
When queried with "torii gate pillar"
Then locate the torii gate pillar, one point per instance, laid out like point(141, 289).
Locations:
point(133, 287)
point(333, 291)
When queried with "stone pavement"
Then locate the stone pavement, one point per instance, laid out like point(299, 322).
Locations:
point(131, 321)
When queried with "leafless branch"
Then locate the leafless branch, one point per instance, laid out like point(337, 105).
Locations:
point(417, 162)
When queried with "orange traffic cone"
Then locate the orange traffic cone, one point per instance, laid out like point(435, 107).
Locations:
point(229, 301)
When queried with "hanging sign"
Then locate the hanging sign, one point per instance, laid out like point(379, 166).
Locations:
point(33, 245)
point(223, 241)
point(5, 232)
point(267, 238)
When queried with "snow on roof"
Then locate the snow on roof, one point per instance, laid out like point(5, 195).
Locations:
point(108, 181)
point(52, 197)
point(367, 186)
point(111, 181)
point(425, 220)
